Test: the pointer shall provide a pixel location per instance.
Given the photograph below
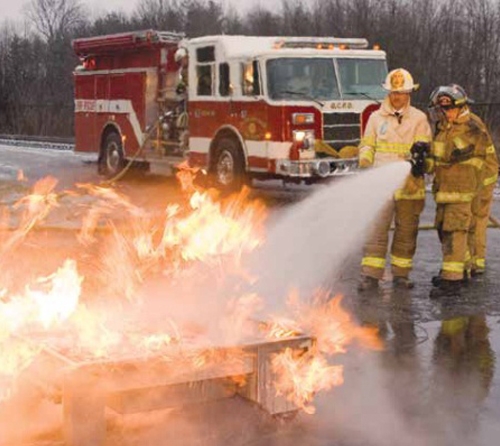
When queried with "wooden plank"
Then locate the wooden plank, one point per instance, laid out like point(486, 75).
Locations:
point(262, 389)
point(155, 398)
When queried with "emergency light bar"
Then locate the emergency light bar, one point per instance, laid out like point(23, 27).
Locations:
point(322, 43)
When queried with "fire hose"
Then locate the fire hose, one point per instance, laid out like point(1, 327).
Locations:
point(494, 222)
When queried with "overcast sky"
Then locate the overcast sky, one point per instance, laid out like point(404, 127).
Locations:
point(12, 9)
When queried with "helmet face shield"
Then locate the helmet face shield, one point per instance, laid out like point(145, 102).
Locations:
point(446, 103)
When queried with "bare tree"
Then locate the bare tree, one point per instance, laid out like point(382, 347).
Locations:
point(203, 17)
point(297, 20)
point(160, 14)
point(53, 18)
point(261, 22)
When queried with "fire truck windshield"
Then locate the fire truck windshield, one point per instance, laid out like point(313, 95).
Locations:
point(362, 77)
point(303, 78)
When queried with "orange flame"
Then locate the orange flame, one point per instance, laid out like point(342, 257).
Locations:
point(35, 310)
point(186, 176)
point(36, 207)
point(301, 375)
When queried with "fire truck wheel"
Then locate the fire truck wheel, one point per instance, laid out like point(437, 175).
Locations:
point(111, 159)
point(228, 168)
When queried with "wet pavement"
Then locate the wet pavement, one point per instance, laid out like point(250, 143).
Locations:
point(437, 382)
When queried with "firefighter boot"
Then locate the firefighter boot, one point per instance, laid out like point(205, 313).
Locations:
point(402, 283)
point(367, 283)
point(446, 288)
point(436, 280)
point(477, 272)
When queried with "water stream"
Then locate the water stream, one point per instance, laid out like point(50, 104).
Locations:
point(313, 238)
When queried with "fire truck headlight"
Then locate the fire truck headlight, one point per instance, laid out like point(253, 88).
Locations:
point(299, 135)
point(306, 137)
point(302, 118)
point(302, 135)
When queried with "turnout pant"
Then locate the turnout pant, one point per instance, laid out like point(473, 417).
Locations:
point(453, 221)
point(406, 216)
point(477, 235)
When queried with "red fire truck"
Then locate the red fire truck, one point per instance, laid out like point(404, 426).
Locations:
point(251, 107)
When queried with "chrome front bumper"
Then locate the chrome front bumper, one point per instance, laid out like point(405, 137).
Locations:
point(317, 167)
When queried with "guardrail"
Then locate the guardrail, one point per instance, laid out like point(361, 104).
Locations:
point(39, 142)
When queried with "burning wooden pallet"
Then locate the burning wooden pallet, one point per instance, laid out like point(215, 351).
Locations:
point(144, 383)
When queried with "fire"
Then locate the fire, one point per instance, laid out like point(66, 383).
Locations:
point(61, 300)
point(302, 376)
point(186, 176)
point(34, 209)
point(15, 356)
point(206, 229)
point(207, 234)
point(215, 229)
point(108, 202)
point(48, 306)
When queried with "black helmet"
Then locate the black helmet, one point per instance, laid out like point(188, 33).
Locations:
point(449, 96)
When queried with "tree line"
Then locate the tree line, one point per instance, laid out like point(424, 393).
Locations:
point(438, 41)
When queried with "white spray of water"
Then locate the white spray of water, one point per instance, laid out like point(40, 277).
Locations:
point(313, 238)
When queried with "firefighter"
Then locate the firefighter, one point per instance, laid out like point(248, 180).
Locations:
point(181, 122)
point(182, 60)
point(458, 154)
point(481, 211)
point(391, 134)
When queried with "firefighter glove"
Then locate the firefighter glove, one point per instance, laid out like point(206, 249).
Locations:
point(419, 152)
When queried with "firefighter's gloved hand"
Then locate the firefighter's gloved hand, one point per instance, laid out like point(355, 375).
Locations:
point(420, 149)
point(419, 152)
point(417, 167)
point(459, 155)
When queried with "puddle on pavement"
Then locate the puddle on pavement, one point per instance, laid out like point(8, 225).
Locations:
point(440, 371)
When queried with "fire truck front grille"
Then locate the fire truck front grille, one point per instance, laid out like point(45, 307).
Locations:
point(341, 129)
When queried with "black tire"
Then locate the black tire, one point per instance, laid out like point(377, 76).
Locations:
point(228, 165)
point(111, 159)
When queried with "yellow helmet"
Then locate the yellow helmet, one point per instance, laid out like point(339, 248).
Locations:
point(180, 54)
point(399, 80)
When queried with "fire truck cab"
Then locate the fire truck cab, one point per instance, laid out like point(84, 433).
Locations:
point(239, 107)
